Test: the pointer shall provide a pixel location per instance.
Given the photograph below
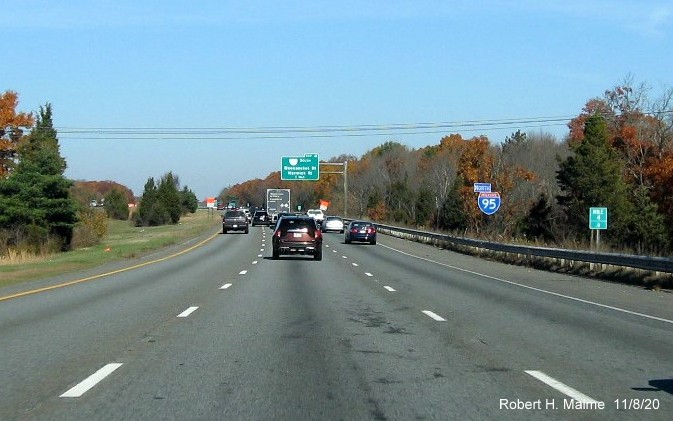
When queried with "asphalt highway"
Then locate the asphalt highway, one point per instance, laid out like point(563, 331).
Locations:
point(393, 331)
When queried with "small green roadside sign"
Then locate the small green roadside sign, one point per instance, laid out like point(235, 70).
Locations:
point(305, 167)
point(598, 218)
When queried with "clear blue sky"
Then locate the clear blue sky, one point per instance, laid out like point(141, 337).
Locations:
point(181, 66)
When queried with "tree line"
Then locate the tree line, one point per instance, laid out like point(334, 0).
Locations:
point(618, 154)
point(41, 211)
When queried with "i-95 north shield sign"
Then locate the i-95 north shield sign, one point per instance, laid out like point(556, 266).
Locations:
point(489, 203)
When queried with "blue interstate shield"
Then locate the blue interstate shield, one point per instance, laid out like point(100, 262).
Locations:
point(489, 203)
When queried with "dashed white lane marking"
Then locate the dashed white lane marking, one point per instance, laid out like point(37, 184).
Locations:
point(243, 272)
point(91, 381)
point(389, 288)
point(433, 316)
point(544, 291)
point(354, 264)
point(344, 257)
point(259, 255)
point(254, 262)
point(261, 249)
point(225, 286)
point(563, 388)
point(187, 312)
point(368, 274)
point(335, 251)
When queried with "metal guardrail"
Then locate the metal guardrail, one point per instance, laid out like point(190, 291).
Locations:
point(648, 263)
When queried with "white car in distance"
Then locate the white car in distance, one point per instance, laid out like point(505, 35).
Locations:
point(316, 214)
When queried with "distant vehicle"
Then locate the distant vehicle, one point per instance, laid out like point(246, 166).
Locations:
point(248, 215)
point(360, 231)
point(278, 216)
point(234, 220)
point(316, 214)
point(333, 223)
point(260, 218)
point(297, 235)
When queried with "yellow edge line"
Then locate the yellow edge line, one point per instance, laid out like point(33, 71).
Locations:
point(114, 272)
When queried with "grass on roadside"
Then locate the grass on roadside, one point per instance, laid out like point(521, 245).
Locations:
point(124, 241)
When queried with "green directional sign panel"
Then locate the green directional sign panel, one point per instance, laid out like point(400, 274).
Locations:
point(305, 167)
point(598, 218)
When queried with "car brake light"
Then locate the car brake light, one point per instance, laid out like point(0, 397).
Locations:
point(371, 230)
point(277, 234)
point(318, 234)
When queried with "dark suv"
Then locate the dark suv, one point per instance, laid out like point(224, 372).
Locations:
point(297, 235)
point(234, 220)
point(260, 218)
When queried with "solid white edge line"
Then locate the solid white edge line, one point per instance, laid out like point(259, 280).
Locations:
point(389, 288)
point(537, 289)
point(187, 312)
point(82, 387)
point(225, 286)
point(434, 316)
point(563, 388)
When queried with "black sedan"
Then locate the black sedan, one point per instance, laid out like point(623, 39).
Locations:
point(360, 231)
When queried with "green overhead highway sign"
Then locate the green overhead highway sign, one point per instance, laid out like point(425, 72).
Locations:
point(598, 218)
point(305, 167)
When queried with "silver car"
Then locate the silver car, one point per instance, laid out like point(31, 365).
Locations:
point(333, 223)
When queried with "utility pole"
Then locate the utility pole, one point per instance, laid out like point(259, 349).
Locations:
point(345, 174)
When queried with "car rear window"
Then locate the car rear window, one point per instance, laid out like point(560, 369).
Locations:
point(291, 224)
point(233, 214)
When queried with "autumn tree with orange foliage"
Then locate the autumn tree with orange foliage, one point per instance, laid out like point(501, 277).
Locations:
point(12, 126)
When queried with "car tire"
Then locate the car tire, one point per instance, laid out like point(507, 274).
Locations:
point(318, 254)
point(373, 242)
point(347, 241)
point(246, 231)
point(275, 254)
point(224, 231)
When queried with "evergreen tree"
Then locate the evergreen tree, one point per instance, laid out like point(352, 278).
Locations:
point(150, 211)
point(425, 204)
point(537, 224)
point(169, 196)
point(164, 203)
point(452, 215)
point(592, 177)
point(646, 227)
point(116, 205)
point(35, 201)
point(188, 201)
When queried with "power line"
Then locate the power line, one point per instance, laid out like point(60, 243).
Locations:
point(292, 132)
point(309, 132)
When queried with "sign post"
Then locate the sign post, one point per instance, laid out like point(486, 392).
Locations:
point(598, 220)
